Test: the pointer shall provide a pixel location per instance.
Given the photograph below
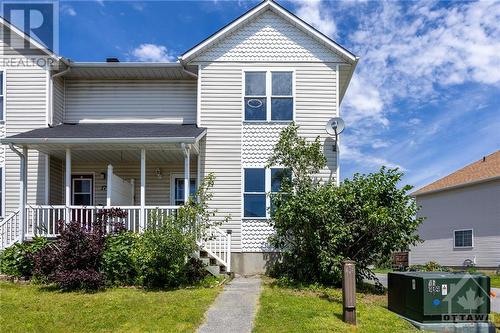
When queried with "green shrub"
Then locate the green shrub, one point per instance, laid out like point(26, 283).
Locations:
point(430, 266)
point(319, 225)
point(18, 259)
point(118, 264)
point(162, 252)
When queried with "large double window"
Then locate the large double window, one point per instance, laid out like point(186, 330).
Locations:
point(268, 96)
point(258, 182)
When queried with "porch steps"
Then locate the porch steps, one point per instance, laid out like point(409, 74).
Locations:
point(211, 264)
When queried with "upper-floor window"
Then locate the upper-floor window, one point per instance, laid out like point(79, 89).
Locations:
point(268, 96)
point(2, 94)
point(258, 182)
point(463, 238)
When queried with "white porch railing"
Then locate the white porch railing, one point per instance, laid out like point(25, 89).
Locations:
point(43, 220)
point(9, 230)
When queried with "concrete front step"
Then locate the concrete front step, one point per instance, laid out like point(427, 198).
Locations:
point(211, 264)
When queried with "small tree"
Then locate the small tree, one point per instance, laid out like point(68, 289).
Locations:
point(319, 224)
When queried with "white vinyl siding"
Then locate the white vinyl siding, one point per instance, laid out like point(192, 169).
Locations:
point(26, 109)
point(58, 100)
point(123, 100)
point(471, 207)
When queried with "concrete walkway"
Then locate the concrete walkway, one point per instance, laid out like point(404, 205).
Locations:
point(234, 309)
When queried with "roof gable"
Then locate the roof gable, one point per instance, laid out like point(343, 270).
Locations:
point(269, 32)
point(486, 168)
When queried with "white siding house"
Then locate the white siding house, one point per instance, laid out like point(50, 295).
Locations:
point(219, 110)
point(462, 217)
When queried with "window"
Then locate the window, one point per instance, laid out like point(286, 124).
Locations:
point(258, 182)
point(179, 190)
point(268, 96)
point(255, 193)
point(463, 238)
point(2, 95)
point(82, 190)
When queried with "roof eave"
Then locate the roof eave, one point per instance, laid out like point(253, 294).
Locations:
point(453, 187)
point(89, 141)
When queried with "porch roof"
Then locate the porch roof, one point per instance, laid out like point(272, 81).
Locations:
point(109, 133)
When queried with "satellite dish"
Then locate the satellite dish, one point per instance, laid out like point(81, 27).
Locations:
point(335, 126)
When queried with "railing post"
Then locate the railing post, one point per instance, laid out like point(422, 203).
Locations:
point(228, 249)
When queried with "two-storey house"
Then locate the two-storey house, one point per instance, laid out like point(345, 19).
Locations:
point(141, 136)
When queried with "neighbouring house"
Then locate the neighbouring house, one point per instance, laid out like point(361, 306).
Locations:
point(462, 217)
point(82, 135)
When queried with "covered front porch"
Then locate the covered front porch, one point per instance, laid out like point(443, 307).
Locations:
point(147, 170)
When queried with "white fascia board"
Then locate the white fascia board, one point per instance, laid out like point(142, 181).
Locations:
point(70, 141)
point(268, 4)
point(127, 64)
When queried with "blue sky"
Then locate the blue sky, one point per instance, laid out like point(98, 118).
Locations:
point(425, 96)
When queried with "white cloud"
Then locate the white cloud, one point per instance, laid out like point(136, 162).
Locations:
point(68, 10)
point(316, 14)
point(152, 53)
point(408, 51)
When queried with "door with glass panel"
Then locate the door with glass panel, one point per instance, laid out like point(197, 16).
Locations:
point(82, 194)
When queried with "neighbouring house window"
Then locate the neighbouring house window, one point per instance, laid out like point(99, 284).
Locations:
point(258, 182)
point(2, 95)
point(463, 238)
point(179, 190)
point(268, 96)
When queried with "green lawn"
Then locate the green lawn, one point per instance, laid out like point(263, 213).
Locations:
point(28, 308)
point(495, 281)
point(291, 310)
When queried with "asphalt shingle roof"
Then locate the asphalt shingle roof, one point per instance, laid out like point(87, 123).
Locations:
point(112, 131)
point(485, 168)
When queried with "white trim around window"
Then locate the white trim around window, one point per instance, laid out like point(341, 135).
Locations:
point(268, 96)
point(465, 246)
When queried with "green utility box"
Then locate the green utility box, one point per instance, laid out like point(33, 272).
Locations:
point(431, 297)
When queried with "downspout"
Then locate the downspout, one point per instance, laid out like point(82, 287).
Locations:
point(184, 69)
point(51, 89)
point(22, 191)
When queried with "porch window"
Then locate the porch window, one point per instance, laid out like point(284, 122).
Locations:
point(2, 95)
point(179, 190)
point(258, 182)
point(268, 96)
point(82, 190)
point(463, 238)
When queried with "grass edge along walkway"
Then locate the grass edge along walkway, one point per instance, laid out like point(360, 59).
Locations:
point(284, 309)
point(30, 308)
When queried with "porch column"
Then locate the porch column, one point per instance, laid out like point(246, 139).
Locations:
point(68, 184)
point(142, 220)
point(23, 198)
point(109, 186)
point(186, 149)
